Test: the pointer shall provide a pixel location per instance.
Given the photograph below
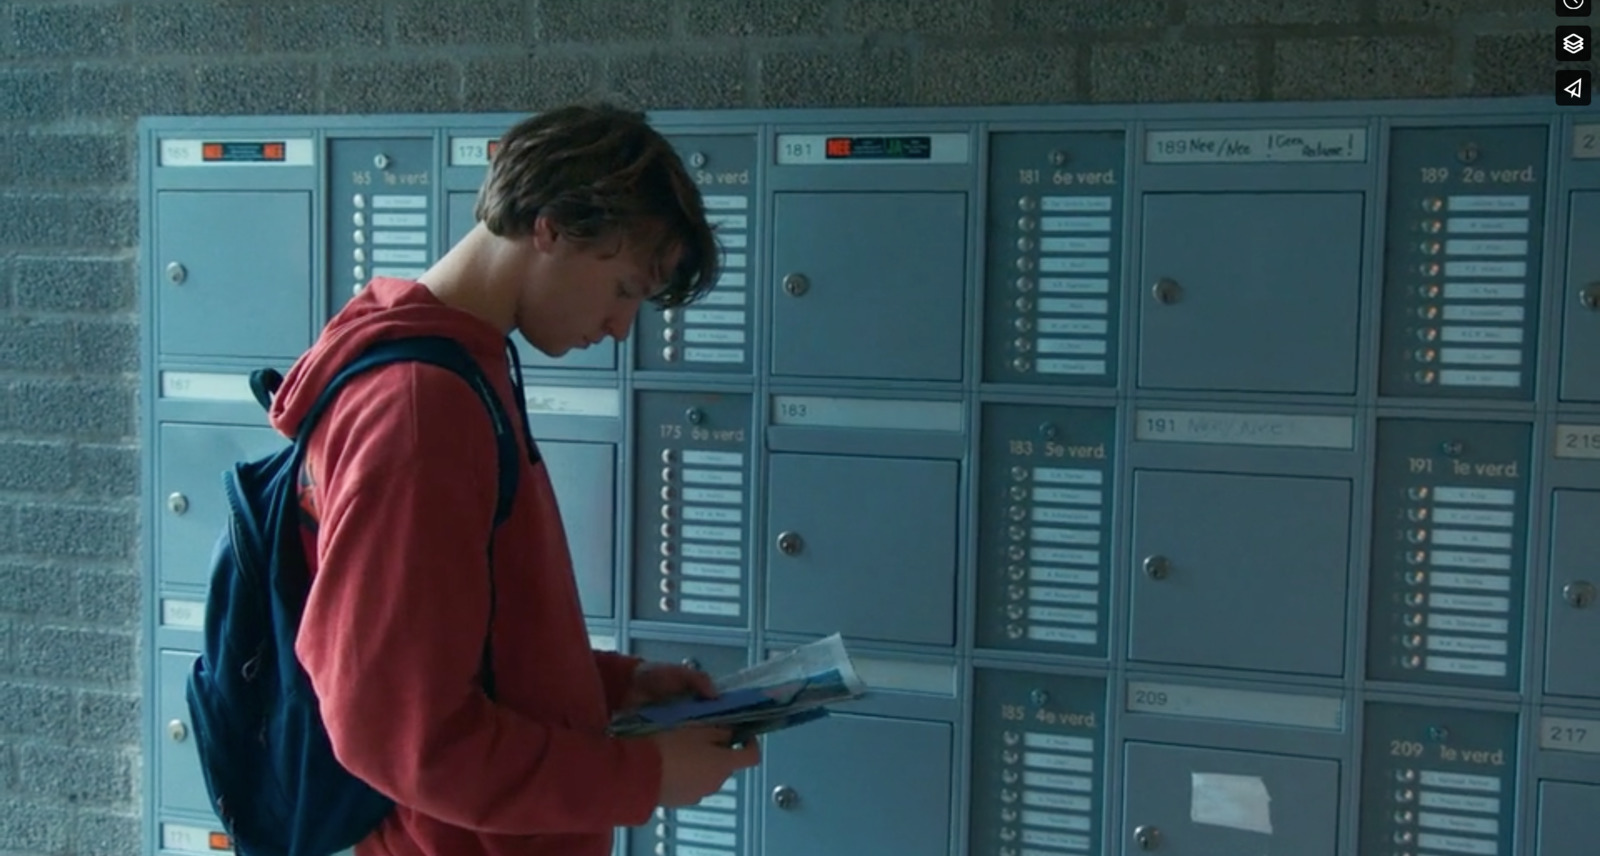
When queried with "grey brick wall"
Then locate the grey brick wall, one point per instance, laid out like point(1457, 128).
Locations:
point(74, 75)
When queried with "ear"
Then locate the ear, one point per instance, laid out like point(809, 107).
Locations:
point(544, 234)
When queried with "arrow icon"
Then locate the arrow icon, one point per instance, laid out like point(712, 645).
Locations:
point(1572, 87)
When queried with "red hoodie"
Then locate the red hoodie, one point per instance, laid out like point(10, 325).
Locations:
point(400, 487)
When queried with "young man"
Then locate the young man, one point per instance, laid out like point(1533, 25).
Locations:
point(586, 213)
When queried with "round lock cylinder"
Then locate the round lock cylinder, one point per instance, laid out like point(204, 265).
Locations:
point(1579, 595)
point(1166, 291)
point(1589, 296)
point(790, 544)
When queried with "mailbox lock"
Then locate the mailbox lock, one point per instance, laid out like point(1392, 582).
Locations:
point(785, 797)
point(691, 663)
point(177, 731)
point(1589, 296)
point(1049, 431)
point(1157, 567)
point(178, 503)
point(1452, 448)
point(1167, 291)
point(1038, 697)
point(380, 161)
point(796, 285)
point(176, 273)
point(1147, 837)
point(1468, 153)
point(789, 543)
point(1579, 595)
point(1438, 733)
point(694, 415)
point(697, 160)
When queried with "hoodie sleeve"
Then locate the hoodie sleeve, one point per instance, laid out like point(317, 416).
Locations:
point(617, 672)
point(391, 637)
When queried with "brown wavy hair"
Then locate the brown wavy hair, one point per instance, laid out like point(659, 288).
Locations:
point(602, 173)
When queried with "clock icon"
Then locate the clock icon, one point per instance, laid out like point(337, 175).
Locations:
point(1574, 8)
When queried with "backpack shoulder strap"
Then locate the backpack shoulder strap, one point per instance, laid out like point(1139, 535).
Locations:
point(448, 354)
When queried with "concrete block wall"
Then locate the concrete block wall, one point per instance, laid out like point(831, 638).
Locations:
point(75, 75)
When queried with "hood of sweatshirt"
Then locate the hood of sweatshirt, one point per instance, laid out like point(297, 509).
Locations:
point(386, 309)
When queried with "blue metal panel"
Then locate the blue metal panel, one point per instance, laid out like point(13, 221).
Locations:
point(1048, 478)
point(692, 508)
point(1567, 814)
point(839, 311)
point(1436, 778)
point(1580, 301)
point(1037, 753)
point(1250, 292)
point(717, 335)
point(1196, 802)
point(178, 767)
point(235, 270)
point(1573, 619)
point(584, 476)
point(1465, 237)
point(1449, 553)
point(847, 537)
point(858, 784)
point(1052, 286)
point(383, 203)
point(1201, 597)
point(189, 503)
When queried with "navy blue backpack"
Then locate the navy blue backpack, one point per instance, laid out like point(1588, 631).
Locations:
point(267, 762)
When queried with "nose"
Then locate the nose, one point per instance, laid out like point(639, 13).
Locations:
point(621, 322)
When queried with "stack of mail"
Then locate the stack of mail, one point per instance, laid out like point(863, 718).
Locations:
point(782, 692)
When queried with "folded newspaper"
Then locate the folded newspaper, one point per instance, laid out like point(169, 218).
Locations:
point(783, 692)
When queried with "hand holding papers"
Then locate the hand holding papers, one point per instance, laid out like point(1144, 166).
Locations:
point(780, 693)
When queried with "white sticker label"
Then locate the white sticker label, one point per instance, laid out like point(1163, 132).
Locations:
point(1581, 442)
point(904, 676)
point(1245, 429)
point(183, 614)
point(236, 152)
point(1264, 708)
point(188, 839)
point(573, 401)
point(846, 148)
point(206, 386)
point(1257, 145)
point(819, 412)
point(471, 151)
point(1235, 802)
point(1586, 142)
point(1569, 735)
